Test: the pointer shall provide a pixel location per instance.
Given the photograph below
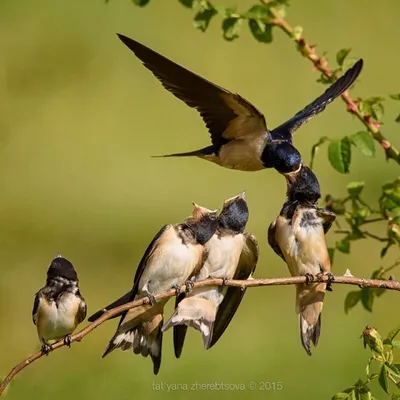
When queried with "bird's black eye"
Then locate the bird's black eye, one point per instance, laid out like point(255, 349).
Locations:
point(282, 156)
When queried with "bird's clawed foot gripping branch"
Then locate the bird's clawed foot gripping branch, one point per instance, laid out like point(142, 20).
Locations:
point(207, 261)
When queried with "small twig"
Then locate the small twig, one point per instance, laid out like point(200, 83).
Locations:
point(321, 64)
point(372, 236)
point(396, 264)
point(365, 233)
point(372, 220)
point(348, 280)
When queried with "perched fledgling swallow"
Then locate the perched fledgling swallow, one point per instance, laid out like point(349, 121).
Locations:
point(298, 237)
point(58, 307)
point(174, 255)
point(230, 254)
point(239, 134)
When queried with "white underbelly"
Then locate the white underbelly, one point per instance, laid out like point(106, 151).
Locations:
point(301, 257)
point(223, 256)
point(57, 322)
point(170, 268)
point(244, 155)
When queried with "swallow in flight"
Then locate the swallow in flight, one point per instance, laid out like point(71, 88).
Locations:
point(58, 307)
point(174, 255)
point(231, 253)
point(298, 237)
point(240, 138)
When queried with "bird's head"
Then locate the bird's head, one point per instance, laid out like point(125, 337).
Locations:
point(235, 213)
point(203, 223)
point(303, 186)
point(60, 267)
point(282, 156)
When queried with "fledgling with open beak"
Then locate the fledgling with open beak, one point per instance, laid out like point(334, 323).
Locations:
point(175, 254)
point(239, 134)
point(298, 237)
point(59, 306)
point(231, 253)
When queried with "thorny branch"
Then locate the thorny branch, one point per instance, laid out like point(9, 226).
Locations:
point(321, 64)
point(77, 337)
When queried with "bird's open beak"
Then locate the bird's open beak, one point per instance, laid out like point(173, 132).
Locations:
point(291, 177)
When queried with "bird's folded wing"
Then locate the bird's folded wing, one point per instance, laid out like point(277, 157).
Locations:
point(246, 267)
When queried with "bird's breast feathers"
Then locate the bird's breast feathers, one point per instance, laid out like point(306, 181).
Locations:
point(171, 263)
point(244, 153)
point(223, 255)
point(302, 242)
point(56, 320)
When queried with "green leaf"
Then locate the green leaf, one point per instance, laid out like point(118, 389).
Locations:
point(393, 333)
point(343, 395)
point(325, 80)
point(396, 345)
point(392, 370)
point(360, 215)
point(364, 394)
point(377, 111)
point(383, 381)
point(396, 396)
point(355, 188)
point(367, 298)
point(341, 56)
point(397, 119)
point(281, 8)
point(349, 62)
point(225, 11)
point(202, 19)
point(315, 148)
point(141, 3)
point(343, 245)
point(364, 142)
point(261, 31)
point(395, 96)
point(351, 300)
point(372, 106)
point(385, 250)
point(331, 253)
point(258, 12)
point(390, 198)
point(231, 28)
point(297, 32)
point(339, 154)
point(188, 3)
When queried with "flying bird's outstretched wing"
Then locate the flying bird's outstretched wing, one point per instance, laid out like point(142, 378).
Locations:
point(287, 129)
point(227, 115)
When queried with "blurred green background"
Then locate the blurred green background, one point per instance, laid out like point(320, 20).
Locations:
point(80, 117)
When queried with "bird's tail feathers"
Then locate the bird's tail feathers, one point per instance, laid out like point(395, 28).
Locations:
point(145, 339)
point(204, 153)
point(309, 306)
point(197, 313)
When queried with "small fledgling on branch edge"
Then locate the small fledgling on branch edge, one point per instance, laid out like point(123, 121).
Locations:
point(58, 307)
point(298, 237)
